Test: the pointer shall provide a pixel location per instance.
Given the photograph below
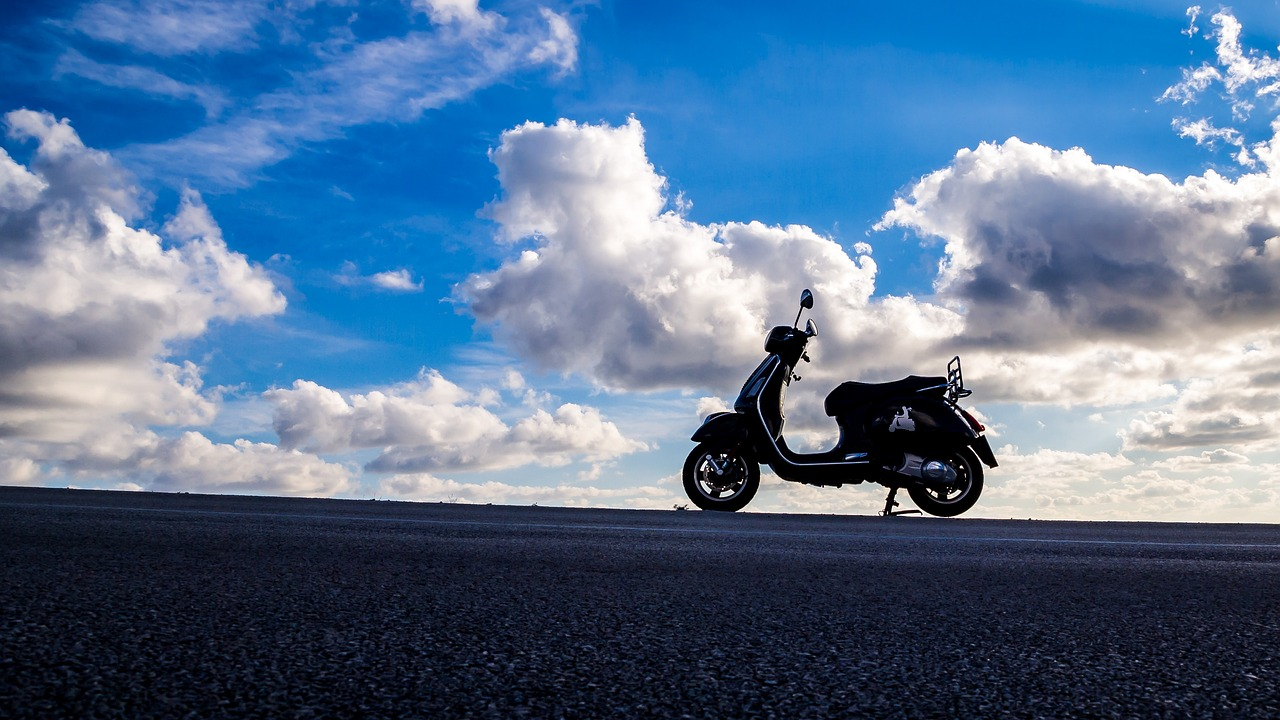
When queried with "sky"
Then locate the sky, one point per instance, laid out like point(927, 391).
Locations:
point(511, 252)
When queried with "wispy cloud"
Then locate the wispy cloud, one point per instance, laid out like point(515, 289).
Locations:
point(143, 79)
point(1241, 78)
point(176, 27)
point(336, 75)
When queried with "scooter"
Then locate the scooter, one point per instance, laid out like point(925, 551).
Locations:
point(909, 433)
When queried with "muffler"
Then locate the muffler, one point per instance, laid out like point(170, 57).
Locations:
point(933, 474)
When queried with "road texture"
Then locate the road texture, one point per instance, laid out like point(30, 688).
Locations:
point(135, 605)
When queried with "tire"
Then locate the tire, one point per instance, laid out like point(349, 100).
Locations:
point(729, 490)
point(961, 495)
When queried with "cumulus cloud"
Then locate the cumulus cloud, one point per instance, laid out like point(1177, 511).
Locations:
point(433, 425)
point(189, 461)
point(91, 310)
point(1074, 282)
point(1047, 248)
point(391, 280)
point(192, 462)
point(19, 471)
point(398, 280)
point(632, 295)
point(91, 306)
point(1082, 283)
point(1205, 461)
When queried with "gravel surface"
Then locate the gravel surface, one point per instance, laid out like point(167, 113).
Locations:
point(133, 605)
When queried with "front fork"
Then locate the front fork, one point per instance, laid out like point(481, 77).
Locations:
point(719, 466)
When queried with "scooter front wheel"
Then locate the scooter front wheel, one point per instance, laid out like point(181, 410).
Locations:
point(720, 477)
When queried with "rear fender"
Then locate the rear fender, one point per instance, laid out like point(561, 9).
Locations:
point(730, 427)
point(982, 449)
point(925, 416)
point(930, 424)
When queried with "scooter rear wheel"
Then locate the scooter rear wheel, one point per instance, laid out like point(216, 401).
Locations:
point(961, 495)
point(720, 477)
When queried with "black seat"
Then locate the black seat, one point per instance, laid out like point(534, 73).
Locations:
point(850, 395)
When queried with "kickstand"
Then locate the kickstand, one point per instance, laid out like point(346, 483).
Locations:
point(890, 504)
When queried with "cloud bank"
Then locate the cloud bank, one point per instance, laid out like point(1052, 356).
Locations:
point(1070, 282)
point(432, 425)
point(91, 311)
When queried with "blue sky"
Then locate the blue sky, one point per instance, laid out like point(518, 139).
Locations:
point(509, 252)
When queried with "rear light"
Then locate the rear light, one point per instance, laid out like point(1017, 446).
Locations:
point(973, 421)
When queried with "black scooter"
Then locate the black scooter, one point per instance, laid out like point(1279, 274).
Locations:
point(907, 433)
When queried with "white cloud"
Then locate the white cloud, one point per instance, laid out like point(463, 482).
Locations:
point(19, 471)
point(1054, 484)
point(141, 78)
point(466, 13)
point(431, 425)
point(192, 462)
point(398, 280)
point(91, 306)
point(1083, 283)
point(1050, 477)
point(560, 46)
point(1236, 402)
point(1047, 249)
point(1204, 132)
point(429, 488)
point(709, 405)
point(1242, 77)
point(1203, 462)
point(634, 296)
point(174, 27)
point(354, 81)
point(90, 312)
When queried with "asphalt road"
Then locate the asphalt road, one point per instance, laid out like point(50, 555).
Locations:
point(138, 605)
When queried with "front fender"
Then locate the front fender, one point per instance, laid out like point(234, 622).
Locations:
point(730, 427)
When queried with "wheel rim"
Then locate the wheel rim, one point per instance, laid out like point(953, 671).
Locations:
point(958, 490)
point(721, 475)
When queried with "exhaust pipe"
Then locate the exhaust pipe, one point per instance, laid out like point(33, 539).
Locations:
point(933, 474)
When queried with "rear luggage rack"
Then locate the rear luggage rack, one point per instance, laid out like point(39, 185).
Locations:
point(955, 381)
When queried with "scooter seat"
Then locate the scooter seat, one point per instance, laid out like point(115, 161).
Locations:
point(850, 395)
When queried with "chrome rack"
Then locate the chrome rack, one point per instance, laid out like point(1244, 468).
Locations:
point(955, 381)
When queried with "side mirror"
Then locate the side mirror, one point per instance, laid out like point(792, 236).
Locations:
point(806, 303)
